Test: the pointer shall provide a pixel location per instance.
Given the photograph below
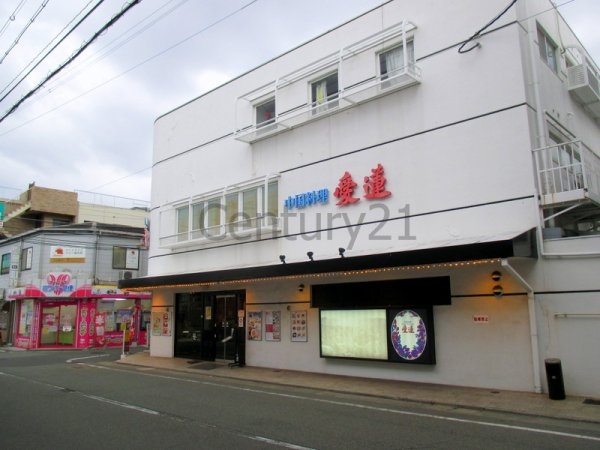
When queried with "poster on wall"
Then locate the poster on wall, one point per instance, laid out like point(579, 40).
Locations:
point(410, 335)
point(161, 323)
point(299, 326)
point(272, 325)
point(255, 325)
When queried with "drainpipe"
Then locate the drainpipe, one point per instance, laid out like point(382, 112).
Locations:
point(535, 352)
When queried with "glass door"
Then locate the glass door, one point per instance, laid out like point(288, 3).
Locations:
point(226, 326)
point(189, 319)
point(58, 325)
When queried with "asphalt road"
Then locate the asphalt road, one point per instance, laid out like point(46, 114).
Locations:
point(77, 399)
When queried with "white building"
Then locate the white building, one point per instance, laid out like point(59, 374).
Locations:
point(344, 206)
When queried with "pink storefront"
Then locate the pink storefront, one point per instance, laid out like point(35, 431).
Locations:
point(63, 315)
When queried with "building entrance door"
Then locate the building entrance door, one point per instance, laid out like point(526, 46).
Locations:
point(226, 326)
point(58, 324)
point(207, 325)
point(194, 327)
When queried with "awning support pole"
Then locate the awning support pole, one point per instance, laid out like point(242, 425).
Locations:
point(535, 351)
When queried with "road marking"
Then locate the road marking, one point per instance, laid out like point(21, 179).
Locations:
point(90, 396)
point(367, 407)
point(278, 443)
point(86, 357)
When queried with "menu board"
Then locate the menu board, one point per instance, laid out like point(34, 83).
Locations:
point(299, 326)
point(359, 333)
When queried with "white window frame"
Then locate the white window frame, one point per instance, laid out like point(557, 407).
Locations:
point(389, 76)
point(263, 123)
point(197, 221)
point(548, 49)
point(331, 100)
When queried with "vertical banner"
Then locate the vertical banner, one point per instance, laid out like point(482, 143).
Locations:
point(99, 323)
point(83, 330)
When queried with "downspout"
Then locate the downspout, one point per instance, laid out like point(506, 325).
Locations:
point(95, 279)
point(533, 334)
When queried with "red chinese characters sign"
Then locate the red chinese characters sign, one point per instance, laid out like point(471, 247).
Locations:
point(373, 187)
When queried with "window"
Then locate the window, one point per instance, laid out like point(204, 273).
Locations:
point(391, 63)
point(57, 222)
point(25, 317)
point(324, 92)
point(5, 268)
point(265, 113)
point(126, 258)
point(243, 209)
point(547, 50)
point(183, 218)
point(26, 258)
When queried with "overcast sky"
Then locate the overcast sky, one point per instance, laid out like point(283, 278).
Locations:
point(90, 128)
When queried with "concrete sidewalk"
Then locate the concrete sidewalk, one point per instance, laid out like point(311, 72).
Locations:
point(572, 408)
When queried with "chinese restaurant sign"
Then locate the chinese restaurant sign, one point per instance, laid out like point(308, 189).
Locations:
point(373, 188)
point(307, 199)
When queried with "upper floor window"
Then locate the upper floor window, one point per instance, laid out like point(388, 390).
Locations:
point(249, 208)
point(5, 267)
point(265, 113)
point(391, 62)
point(126, 258)
point(548, 50)
point(323, 93)
point(26, 258)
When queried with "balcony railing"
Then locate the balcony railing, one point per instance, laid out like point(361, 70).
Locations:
point(567, 173)
point(374, 85)
point(242, 230)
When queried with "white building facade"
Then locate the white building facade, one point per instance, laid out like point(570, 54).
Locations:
point(389, 200)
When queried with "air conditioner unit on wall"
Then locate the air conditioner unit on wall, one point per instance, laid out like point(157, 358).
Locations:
point(125, 275)
point(584, 84)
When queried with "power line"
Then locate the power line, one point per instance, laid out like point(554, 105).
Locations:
point(204, 29)
point(110, 23)
point(107, 49)
point(40, 52)
point(16, 41)
point(12, 17)
point(50, 51)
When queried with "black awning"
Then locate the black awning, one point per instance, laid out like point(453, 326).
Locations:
point(384, 294)
point(521, 245)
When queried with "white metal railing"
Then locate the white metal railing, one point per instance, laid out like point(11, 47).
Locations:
point(374, 86)
point(567, 172)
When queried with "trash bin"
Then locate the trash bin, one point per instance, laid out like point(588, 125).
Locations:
point(556, 386)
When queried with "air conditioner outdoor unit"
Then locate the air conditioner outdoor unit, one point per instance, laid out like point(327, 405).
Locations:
point(583, 82)
point(126, 275)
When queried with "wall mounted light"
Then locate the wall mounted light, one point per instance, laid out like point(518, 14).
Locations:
point(300, 287)
point(496, 276)
point(342, 251)
point(310, 255)
point(282, 258)
point(497, 291)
